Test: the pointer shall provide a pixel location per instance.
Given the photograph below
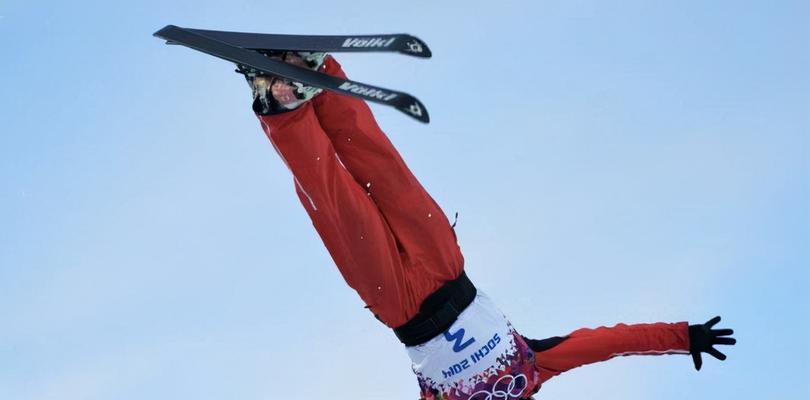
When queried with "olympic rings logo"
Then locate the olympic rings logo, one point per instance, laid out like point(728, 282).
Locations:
point(502, 389)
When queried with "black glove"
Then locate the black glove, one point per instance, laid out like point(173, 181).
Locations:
point(702, 338)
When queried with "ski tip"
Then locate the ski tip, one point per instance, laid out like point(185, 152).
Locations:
point(415, 109)
point(161, 33)
point(413, 46)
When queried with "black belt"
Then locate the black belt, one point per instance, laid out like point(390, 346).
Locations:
point(437, 312)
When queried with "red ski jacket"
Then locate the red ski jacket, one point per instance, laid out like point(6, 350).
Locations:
point(556, 355)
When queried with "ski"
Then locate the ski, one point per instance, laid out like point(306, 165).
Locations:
point(403, 102)
point(396, 43)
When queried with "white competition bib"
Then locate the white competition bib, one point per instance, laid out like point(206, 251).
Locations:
point(481, 355)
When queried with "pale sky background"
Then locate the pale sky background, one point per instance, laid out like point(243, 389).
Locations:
point(631, 161)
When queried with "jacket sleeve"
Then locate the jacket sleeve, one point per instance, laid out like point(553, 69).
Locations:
point(554, 356)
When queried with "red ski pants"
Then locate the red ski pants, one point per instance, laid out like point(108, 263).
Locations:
point(390, 240)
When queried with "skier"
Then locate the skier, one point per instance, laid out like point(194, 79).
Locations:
point(395, 247)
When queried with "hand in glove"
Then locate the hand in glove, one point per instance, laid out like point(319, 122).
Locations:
point(702, 339)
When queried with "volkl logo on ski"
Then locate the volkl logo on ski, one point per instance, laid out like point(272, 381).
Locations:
point(414, 47)
point(368, 42)
point(415, 110)
point(367, 91)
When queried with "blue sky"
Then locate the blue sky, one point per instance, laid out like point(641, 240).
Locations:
point(629, 161)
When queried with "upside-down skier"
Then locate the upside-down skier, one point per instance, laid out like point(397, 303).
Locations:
point(396, 248)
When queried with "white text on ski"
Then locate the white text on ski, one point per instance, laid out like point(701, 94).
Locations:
point(367, 91)
point(371, 42)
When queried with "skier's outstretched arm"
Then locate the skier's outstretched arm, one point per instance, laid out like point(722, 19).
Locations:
point(586, 346)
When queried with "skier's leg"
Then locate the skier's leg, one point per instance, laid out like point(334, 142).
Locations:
point(348, 221)
point(427, 241)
